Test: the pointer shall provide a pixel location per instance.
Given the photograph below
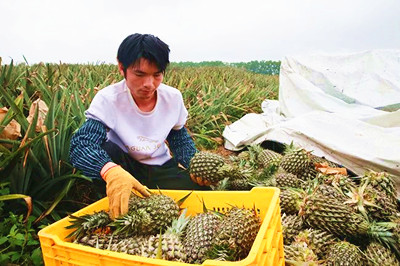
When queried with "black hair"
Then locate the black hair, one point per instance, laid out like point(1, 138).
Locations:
point(148, 46)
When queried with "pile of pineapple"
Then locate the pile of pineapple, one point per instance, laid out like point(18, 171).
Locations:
point(328, 216)
point(156, 227)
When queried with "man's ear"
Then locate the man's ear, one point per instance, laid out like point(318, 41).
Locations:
point(121, 69)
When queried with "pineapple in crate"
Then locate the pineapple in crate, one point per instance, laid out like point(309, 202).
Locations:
point(155, 227)
point(152, 224)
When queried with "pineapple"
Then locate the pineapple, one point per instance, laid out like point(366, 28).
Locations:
point(199, 236)
point(264, 157)
point(346, 254)
point(372, 203)
point(308, 173)
point(99, 240)
point(295, 160)
point(284, 179)
point(291, 227)
point(147, 215)
point(235, 235)
point(299, 254)
point(381, 181)
point(291, 200)
point(321, 160)
point(341, 182)
point(377, 254)
point(205, 168)
point(339, 219)
point(89, 223)
point(330, 192)
point(319, 241)
point(166, 246)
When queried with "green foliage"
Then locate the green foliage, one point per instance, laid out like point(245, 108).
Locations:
point(260, 67)
point(218, 96)
point(19, 243)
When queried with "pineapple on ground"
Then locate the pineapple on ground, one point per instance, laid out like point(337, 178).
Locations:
point(300, 254)
point(291, 200)
point(372, 203)
point(344, 253)
point(208, 168)
point(295, 160)
point(292, 225)
point(318, 240)
point(377, 254)
point(339, 219)
point(235, 235)
point(284, 179)
point(381, 181)
point(341, 182)
point(264, 157)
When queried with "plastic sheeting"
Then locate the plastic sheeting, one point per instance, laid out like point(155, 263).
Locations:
point(344, 107)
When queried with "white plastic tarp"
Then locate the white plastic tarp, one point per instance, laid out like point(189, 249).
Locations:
point(344, 107)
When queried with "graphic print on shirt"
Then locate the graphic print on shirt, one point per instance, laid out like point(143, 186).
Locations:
point(144, 145)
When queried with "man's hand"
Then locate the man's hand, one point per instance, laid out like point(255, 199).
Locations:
point(119, 187)
point(199, 181)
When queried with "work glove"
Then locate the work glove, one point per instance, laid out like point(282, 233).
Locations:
point(199, 181)
point(118, 189)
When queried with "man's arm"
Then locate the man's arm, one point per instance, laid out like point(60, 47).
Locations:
point(86, 153)
point(181, 145)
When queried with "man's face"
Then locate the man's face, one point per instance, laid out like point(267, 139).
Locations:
point(142, 79)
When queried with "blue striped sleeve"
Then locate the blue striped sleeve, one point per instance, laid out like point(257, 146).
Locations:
point(181, 145)
point(85, 151)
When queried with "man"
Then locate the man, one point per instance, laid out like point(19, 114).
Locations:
point(123, 139)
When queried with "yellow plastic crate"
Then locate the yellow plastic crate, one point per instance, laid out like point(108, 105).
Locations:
point(267, 248)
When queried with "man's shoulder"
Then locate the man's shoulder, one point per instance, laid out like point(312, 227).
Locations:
point(113, 89)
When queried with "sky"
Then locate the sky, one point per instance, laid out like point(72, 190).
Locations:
point(90, 31)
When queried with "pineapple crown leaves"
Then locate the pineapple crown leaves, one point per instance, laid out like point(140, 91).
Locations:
point(178, 225)
point(88, 223)
point(216, 213)
point(358, 198)
point(132, 223)
point(182, 200)
point(221, 253)
point(383, 233)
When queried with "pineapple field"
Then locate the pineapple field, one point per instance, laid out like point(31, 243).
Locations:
point(329, 215)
